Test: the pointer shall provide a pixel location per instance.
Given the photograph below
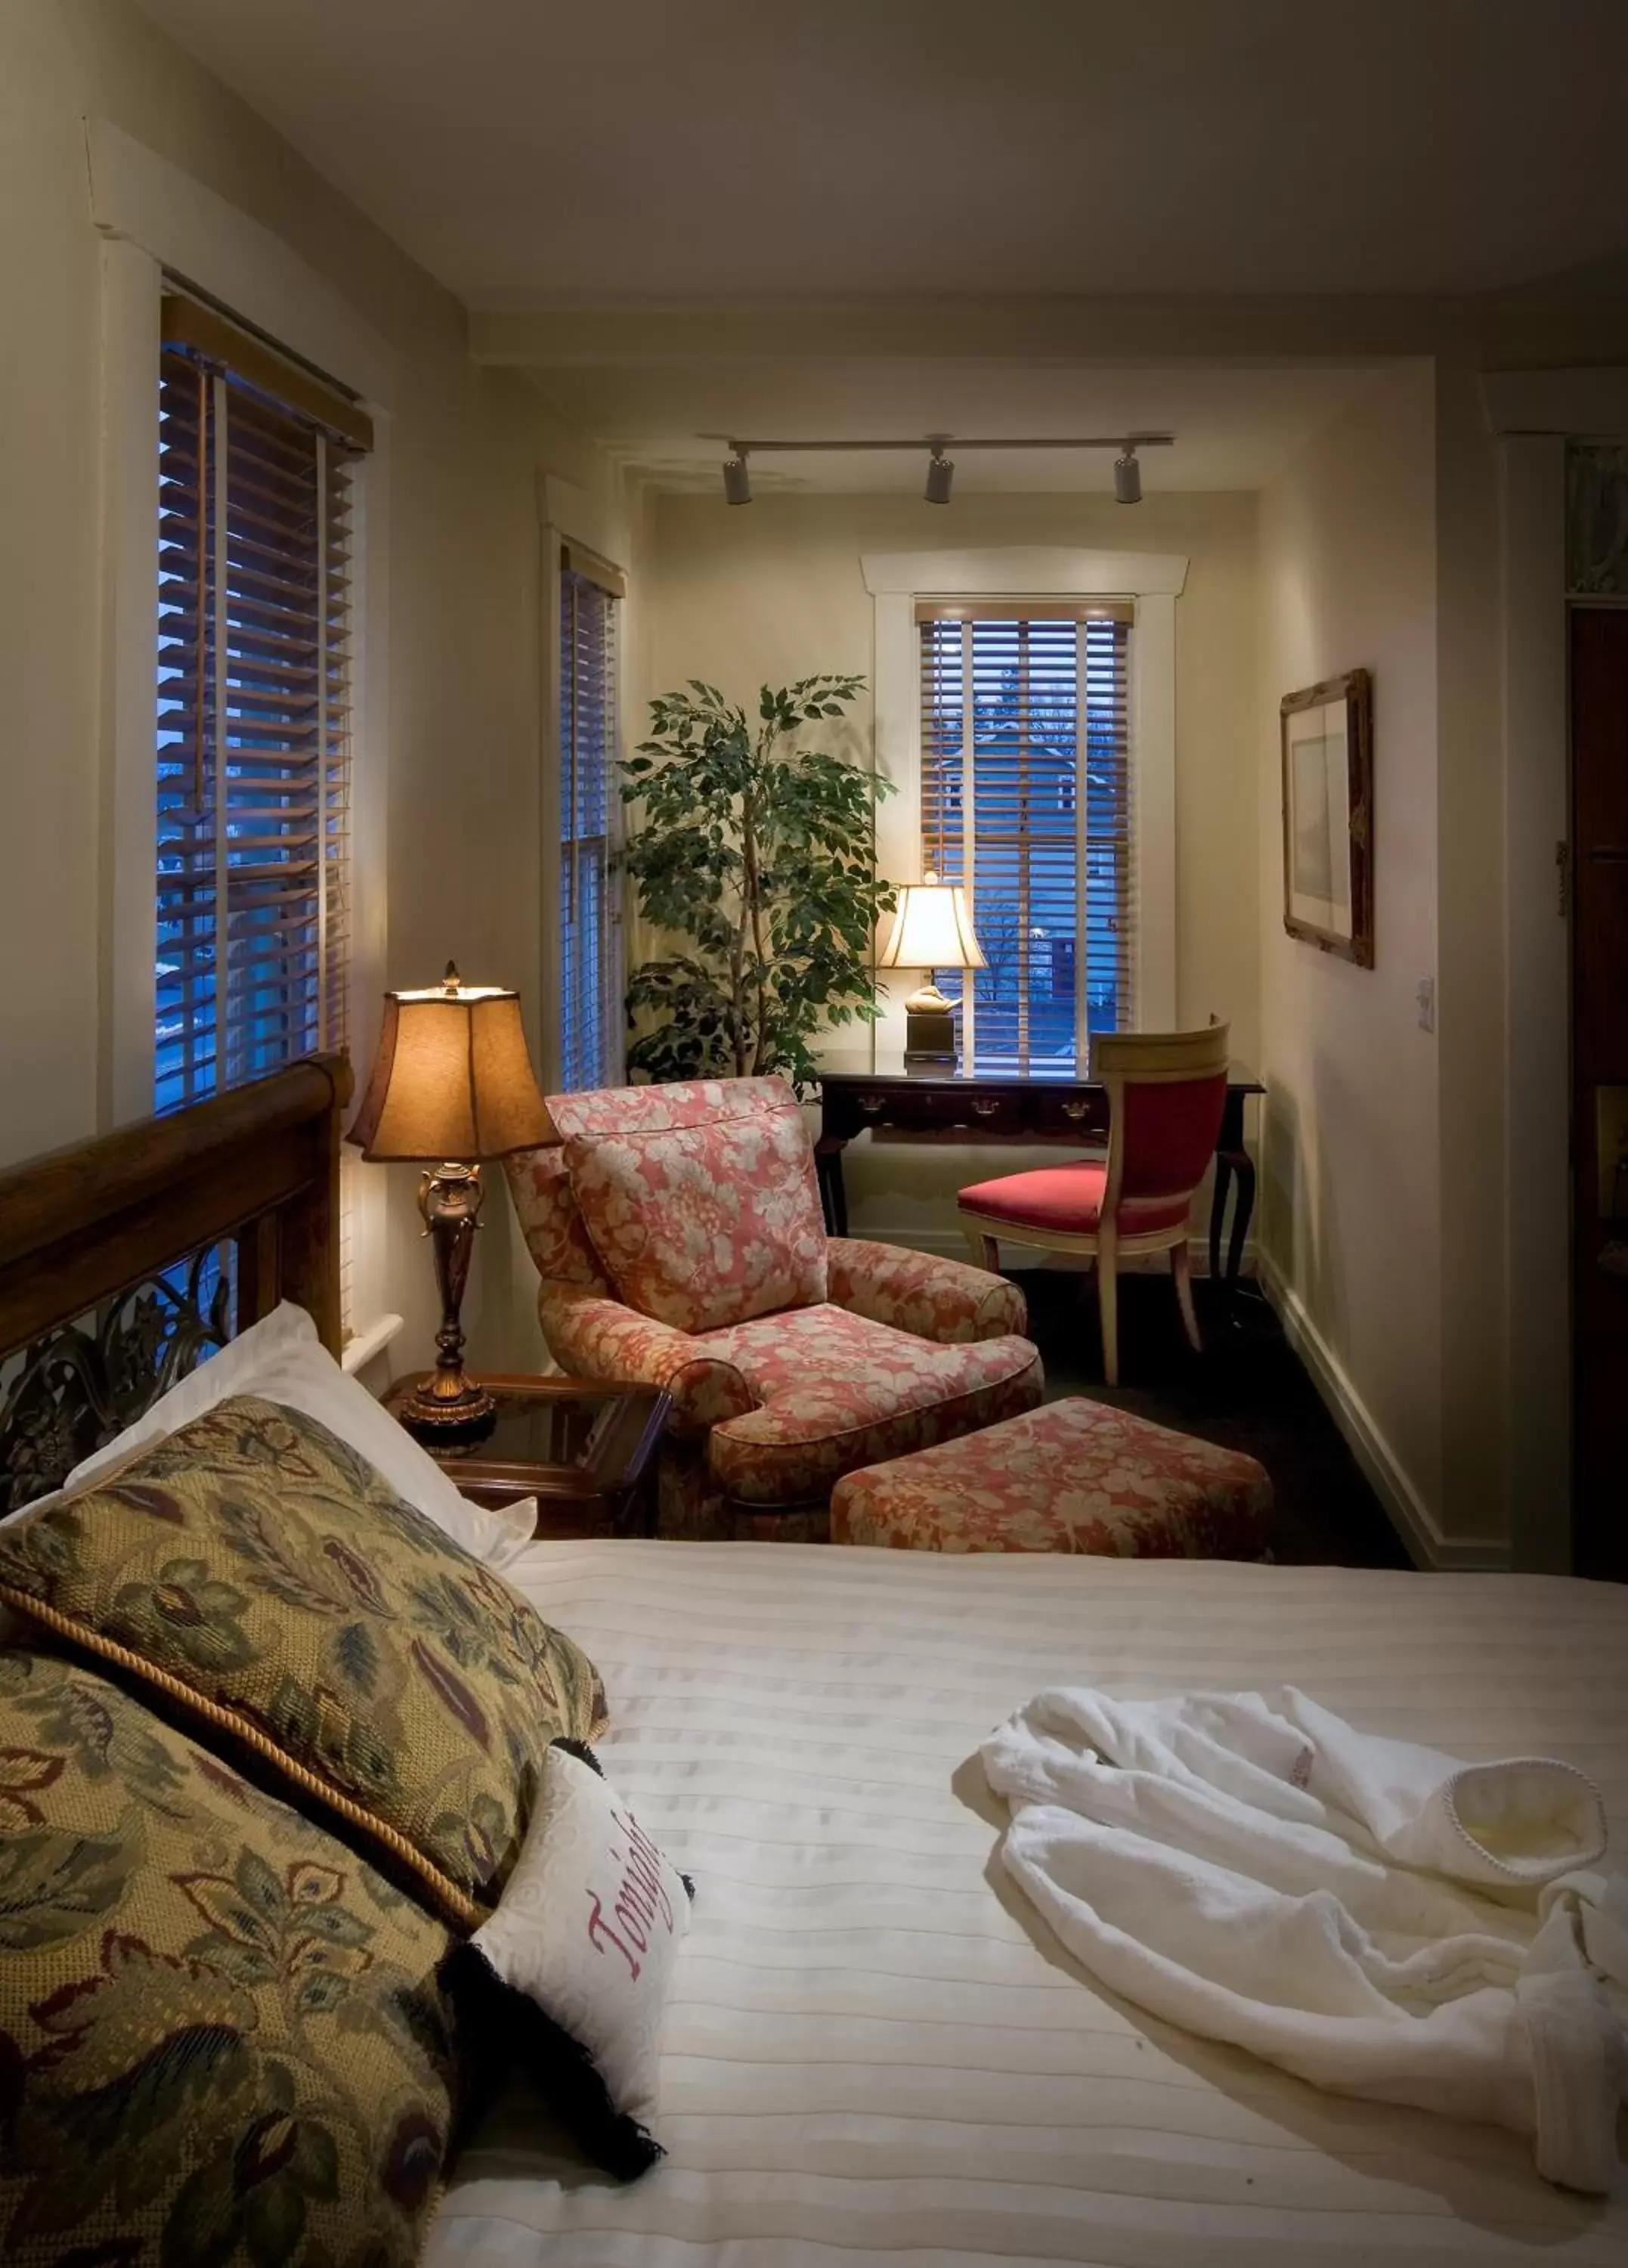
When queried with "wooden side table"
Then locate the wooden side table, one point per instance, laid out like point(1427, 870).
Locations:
point(584, 1448)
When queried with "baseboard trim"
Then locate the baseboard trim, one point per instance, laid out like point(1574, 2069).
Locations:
point(1406, 1509)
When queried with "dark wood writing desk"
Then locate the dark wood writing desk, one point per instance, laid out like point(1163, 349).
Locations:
point(1041, 1105)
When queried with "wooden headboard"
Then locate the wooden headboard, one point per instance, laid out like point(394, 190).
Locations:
point(126, 1259)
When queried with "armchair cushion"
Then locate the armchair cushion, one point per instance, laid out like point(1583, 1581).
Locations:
point(703, 1226)
point(539, 1182)
point(935, 1298)
point(837, 1391)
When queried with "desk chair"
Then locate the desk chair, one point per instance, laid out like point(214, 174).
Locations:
point(1166, 1091)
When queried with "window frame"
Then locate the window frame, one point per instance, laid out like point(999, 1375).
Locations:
point(153, 217)
point(1150, 583)
point(569, 519)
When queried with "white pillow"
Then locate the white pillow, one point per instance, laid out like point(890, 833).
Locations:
point(571, 1974)
point(282, 1360)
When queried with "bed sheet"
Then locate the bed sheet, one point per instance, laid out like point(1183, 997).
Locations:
point(875, 2053)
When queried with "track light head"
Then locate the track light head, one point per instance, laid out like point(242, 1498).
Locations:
point(940, 474)
point(1127, 476)
point(736, 477)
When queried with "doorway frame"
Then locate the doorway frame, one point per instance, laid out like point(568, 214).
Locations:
point(1532, 415)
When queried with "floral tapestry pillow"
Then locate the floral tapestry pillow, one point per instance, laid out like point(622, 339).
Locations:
point(702, 1226)
point(260, 1574)
point(221, 2033)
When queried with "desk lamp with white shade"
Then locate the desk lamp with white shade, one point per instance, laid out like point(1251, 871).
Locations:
point(932, 930)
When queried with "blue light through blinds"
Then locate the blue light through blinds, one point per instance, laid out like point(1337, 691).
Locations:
point(252, 734)
point(590, 958)
point(1026, 797)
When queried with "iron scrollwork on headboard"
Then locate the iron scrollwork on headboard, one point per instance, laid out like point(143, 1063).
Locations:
point(81, 1385)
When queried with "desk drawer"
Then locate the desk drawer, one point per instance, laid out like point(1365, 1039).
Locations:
point(1074, 1116)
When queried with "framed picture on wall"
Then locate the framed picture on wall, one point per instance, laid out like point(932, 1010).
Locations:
point(1328, 816)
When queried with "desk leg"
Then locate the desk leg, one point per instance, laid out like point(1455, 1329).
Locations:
point(1218, 1209)
point(833, 1199)
point(1242, 1212)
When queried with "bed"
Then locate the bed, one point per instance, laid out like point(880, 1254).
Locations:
point(874, 2053)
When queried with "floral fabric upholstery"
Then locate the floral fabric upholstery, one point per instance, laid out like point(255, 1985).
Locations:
point(702, 1226)
point(221, 2036)
point(258, 1573)
point(1073, 1476)
point(539, 1182)
point(594, 1336)
point(797, 1411)
point(836, 1390)
point(920, 1291)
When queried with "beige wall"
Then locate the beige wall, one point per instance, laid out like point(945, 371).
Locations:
point(460, 681)
point(775, 591)
point(1350, 1187)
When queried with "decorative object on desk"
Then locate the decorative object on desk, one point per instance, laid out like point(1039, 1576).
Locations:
point(932, 930)
point(1328, 816)
point(760, 854)
point(452, 1083)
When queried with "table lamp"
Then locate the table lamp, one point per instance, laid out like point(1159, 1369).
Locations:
point(932, 930)
point(451, 1084)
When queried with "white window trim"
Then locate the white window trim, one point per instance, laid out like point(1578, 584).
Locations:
point(569, 514)
point(153, 218)
point(1153, 581)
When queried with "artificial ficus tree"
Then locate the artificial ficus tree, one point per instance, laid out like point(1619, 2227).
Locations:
point(756, 857)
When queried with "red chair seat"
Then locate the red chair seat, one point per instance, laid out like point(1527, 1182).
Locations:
point(1068, 1199)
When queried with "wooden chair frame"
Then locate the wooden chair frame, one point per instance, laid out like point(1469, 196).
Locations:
point(1121, 1060)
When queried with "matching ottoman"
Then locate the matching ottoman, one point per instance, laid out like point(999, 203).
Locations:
point(1072, 1475)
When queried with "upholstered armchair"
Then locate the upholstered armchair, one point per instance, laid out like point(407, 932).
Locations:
point(678, 1234)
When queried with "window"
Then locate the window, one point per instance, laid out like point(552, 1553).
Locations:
point(590, 808)
point(256, 474)
point(1026, 798)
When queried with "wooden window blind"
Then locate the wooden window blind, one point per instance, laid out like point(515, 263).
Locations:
point(1026, 799)
point(256, 500)
point(590, 807)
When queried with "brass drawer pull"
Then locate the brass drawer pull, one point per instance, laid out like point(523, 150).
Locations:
point(869, 1103)
point(1076, 1109)
point(985, 1105)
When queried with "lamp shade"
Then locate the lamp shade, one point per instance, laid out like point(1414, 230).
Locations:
point(452, 1078)
point(933, 929)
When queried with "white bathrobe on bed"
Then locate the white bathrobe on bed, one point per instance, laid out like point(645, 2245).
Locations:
point(1378, 1918)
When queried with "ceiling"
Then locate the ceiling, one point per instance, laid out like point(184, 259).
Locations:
point(659, 156)
point(528, 150)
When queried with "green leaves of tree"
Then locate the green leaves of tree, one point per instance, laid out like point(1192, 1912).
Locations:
point(761, 856)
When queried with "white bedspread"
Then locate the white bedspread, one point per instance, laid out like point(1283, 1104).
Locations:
point(875, 2053)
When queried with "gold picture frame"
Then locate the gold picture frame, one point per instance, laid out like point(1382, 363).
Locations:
point(1328, 816)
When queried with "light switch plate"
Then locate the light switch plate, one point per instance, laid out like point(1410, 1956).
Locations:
point(1425, 993)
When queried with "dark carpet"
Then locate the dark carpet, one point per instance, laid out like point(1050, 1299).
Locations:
point(1248, 1390)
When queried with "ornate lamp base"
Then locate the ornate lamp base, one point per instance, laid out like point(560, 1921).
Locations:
point(450, 1407)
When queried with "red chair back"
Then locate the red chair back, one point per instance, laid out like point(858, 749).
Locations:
point(1166, 1093)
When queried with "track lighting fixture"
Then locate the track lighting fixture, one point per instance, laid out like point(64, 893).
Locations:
point(1127, 472)
point(736, 477)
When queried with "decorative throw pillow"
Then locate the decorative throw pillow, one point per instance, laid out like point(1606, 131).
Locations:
point(280, 1359)
point(700, 1226)
point(221, 2034)
point(571, 1974)
point(258, 1571)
